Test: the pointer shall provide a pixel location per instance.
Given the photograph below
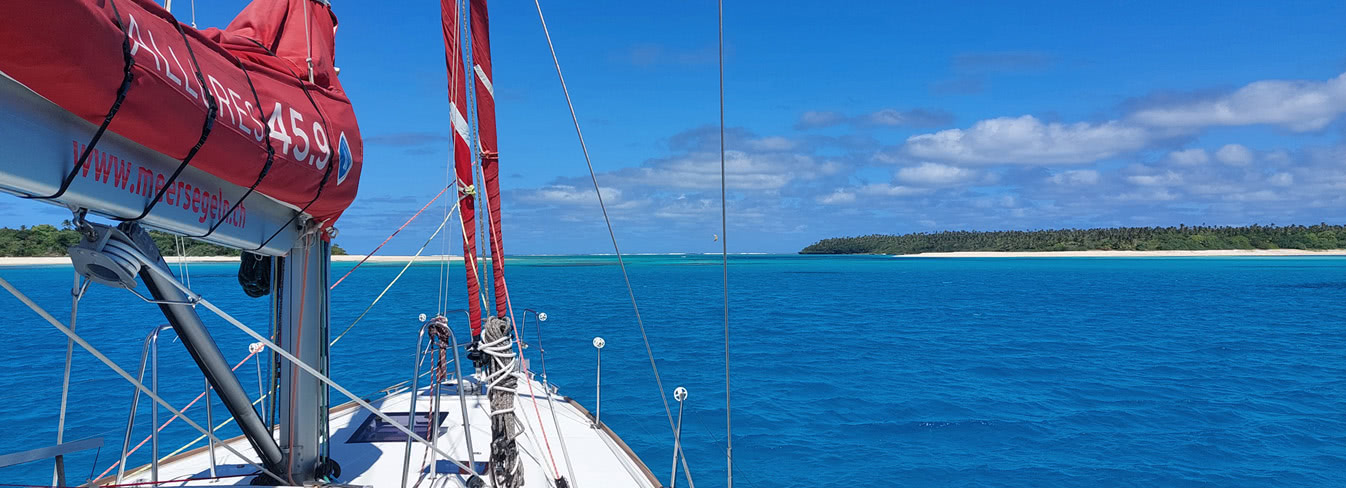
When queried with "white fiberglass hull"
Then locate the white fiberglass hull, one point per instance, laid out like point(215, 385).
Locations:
point(597, 456)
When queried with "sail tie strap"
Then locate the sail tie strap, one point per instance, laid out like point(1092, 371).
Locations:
point(127, 76)
point(327, 132)
point(212, 109)
point(266, 168)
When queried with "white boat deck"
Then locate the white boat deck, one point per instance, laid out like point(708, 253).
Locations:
point(597, 456)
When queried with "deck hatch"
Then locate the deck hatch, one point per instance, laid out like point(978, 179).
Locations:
point(375, 429)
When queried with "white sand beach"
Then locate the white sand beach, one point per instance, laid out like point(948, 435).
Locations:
point(1144, 254)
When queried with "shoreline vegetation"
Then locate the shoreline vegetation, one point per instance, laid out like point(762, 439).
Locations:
point(353, 258)
point(48, 241)
point(1148, 241)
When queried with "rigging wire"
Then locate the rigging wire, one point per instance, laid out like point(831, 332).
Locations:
point(395, 278)
point(165, 424)
point(199, 300)
point(509, 307)
point(127, 376)
point(724, 259)
point(474, 154)
point(385, 241)
point(668, 413)
point(76, 292)
point(450, 178)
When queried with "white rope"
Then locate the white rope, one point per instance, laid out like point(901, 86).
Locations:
point(394, 281)
point(504, 365)
point(181, 247)
point(121, 372)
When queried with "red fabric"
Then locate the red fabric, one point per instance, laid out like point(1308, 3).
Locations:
point(462, 155)
point(71, 53)
point(490, 156)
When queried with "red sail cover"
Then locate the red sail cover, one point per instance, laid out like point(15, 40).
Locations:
point(71, 52)
point(462, 155)
point(490, 156)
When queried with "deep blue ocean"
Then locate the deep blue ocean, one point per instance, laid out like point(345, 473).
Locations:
point(847, 371)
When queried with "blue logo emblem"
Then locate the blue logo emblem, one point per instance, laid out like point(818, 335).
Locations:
point(345, 161)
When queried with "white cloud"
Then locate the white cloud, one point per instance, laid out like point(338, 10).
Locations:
point(1253, 196)
point(1234, 154)
point(1299, 105)
point(837, 197)
point(914, 118)
point(1167, 178)
point(887, 117)
point(815, 119)
point(1148, 195)
point(1189, 157)
point(887, 190)
point(1028, 140)
point(934, 174)
point(567, 194)
point(1282, 179)
point(1075, 177)
point(744, 171)
point(773, 143)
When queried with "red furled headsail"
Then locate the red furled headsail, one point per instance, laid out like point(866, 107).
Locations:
point(490, 156)
point(462, 155)
point(71, 52)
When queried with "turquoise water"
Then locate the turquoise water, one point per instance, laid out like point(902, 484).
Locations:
point(848, 371)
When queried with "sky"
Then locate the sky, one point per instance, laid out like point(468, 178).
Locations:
point(853, 118)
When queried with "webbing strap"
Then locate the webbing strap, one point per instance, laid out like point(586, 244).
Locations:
point(266, 168)
point(127, 77)
point(212, 109)
point(327, 132)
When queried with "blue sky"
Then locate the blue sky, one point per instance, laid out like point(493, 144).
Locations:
point(866, 117)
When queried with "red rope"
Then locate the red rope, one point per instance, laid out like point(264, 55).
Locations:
point(298, 350)
point(390, 237)
point(518, 344)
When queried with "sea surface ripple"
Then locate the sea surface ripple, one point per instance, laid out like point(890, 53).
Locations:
point(847, 371)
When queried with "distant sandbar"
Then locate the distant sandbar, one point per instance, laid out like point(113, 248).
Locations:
point(1119, 254)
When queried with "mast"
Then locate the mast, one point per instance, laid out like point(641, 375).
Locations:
point(462, 156)
point(490, 155)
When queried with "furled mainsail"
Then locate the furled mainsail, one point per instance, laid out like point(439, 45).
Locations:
point(255, 73)
point(490, 155)
point(462, 155)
